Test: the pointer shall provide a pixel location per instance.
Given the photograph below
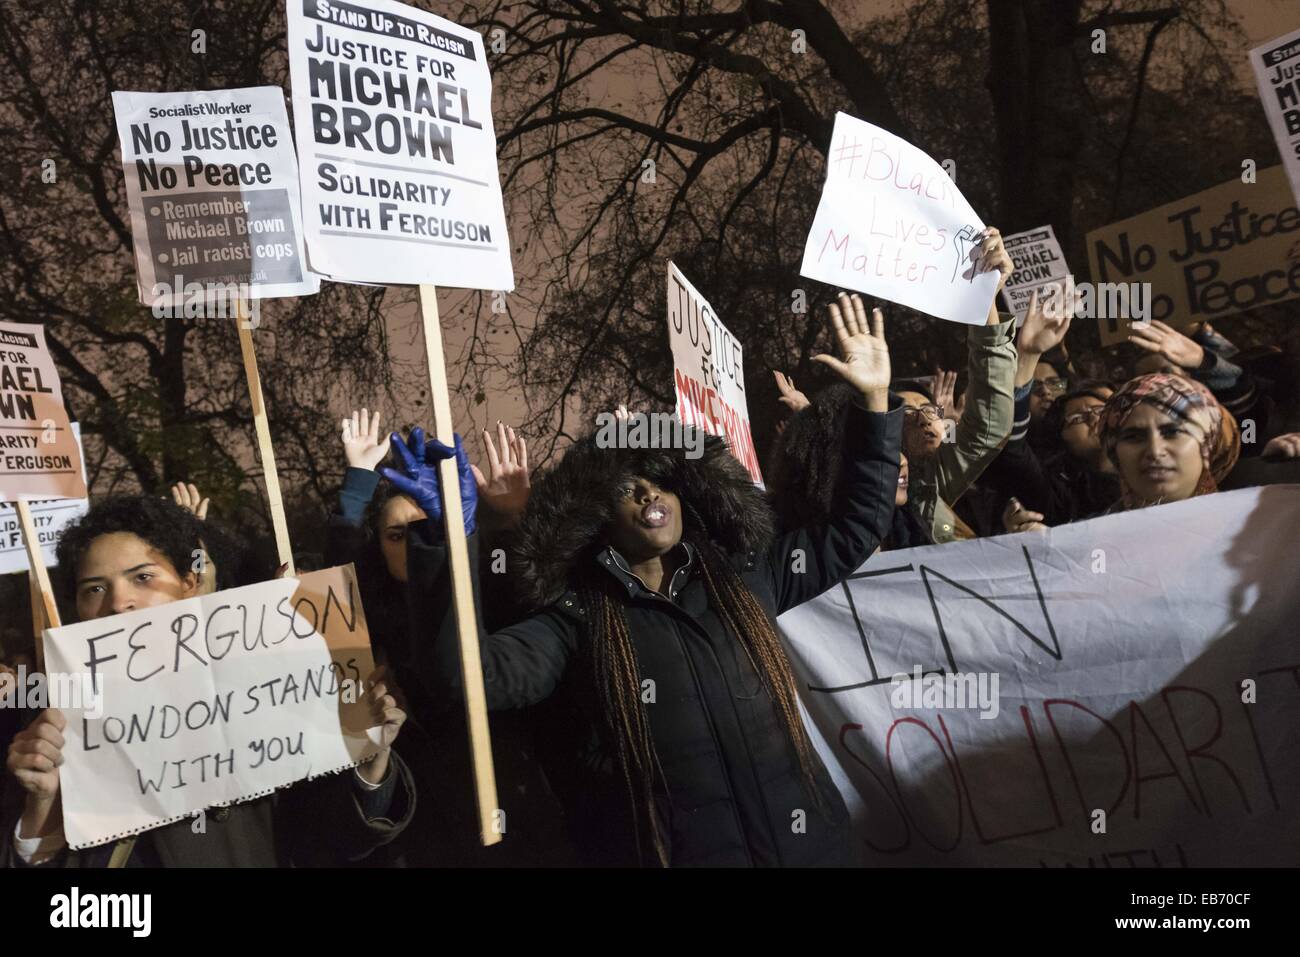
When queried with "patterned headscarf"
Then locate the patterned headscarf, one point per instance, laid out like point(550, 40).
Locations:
point(1186, 399)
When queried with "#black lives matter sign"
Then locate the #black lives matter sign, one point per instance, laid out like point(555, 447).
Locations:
point(212, 185)
point(393, 108)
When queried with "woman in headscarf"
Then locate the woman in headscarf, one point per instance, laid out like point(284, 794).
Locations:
point(675, 736)
point(1169, 438)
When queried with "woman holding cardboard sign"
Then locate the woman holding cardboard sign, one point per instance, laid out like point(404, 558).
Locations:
point(674, 734)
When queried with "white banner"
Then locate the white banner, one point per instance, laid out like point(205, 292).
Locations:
point(49, 516)
point(393, 108)
point(892, 224)
point(708, 371)
point(212, 186)
point(1038, 262)
point(1277, 71)
point(1123, 692)
point(211, 700)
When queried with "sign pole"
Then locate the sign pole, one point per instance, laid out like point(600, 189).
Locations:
point(263, 429)
point(471, 666)
point(44, 609)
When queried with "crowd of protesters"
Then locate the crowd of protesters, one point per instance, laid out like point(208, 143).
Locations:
point(626, 563)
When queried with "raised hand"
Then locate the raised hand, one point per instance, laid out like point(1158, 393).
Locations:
point(504, 491)
point(362, 445)
point(1282, 447)
point(418, 477)
point(188, 498)
point(791, 398)
point(1017, 518)
point(989, 254)
point(1040, 332)
point(1168, 342)
point(866, 356)
point(944, 389)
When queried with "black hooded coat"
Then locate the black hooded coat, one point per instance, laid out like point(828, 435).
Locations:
point(731, 791)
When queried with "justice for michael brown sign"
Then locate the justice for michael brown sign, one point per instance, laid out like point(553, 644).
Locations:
point(393, 108)
point(49, 518)
point(39, 455)
point(892, 224)
point(1277, 71)
point(212, 186)
point(1038, 262)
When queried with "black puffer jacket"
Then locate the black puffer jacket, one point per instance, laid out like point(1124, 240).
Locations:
point(732, 792)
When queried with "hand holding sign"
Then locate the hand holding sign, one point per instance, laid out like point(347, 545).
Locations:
point(866, 355)
point(388, 716)
point(35, 755)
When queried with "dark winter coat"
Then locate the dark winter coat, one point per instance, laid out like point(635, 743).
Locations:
point(731, 791)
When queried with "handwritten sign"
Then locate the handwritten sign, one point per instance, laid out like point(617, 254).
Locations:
point(214, 699)
point(1120, 692)
point(39, 455)
point(708, 371)
point(1217, 253)
point(892, 224)
point(393, 108)
point(212, 186)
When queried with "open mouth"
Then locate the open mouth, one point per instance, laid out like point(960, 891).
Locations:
point(656, 515)
point(902, 480)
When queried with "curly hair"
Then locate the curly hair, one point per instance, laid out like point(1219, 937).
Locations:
point(169, 529)
point(807, 461)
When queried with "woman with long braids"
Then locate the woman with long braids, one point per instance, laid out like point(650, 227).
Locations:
point(674, 731)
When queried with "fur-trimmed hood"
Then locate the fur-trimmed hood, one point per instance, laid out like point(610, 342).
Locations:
point(571, 505)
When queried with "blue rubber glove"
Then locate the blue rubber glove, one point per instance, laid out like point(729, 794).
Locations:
point(418, 477)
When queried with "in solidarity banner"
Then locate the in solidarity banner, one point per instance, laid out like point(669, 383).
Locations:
point(1038, 262)
point(1122, 692)
point(708, 371)
point(212, 186)
point(210, 700)
point(39, 454)
point(1277, 71)
point(393, 108)
point(1216, 253)
point(49, 517)
point(892, 224)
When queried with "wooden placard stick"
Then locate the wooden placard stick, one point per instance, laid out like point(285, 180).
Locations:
point(43, 604)
point(263, 429)
point(471, 666)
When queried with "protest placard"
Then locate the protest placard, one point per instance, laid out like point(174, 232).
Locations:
point(1217, 253)
point(708, 371)
point(393, 108)
point(1277, 71)
point(213, 699)
point(891, 223)
point(49, 518)
point(212, 187)
point(39, 455)
point(1038, 262)
point(1120, 692)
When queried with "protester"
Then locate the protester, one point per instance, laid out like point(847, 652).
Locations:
point(1169, 439)
point(940, 471)
point(654, 577)
point(133, 552)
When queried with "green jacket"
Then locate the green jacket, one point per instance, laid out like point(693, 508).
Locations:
point(939, 481)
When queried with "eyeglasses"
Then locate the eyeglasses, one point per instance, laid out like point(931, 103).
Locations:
point(929, 411)
point(1088, 416)
point(1054, 386)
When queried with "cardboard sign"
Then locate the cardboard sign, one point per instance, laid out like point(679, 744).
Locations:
point(1120, 692)
point(1039, 262)
point(215, 699)
point(212, 186)
point(49, 516)
point(393, 108)
point(39, 455)
point(892, 224)
point(1277, 71)
point(1217, 253)
point(708, 371)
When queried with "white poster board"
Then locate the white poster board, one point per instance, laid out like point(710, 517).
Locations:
point(214, 699)
point(212, 186)
point(39, 455)
point(393, 109)
point(1147, 706)
point(892, 224)
point(1038, 262)
point(709, 371)
point(1277, 71)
